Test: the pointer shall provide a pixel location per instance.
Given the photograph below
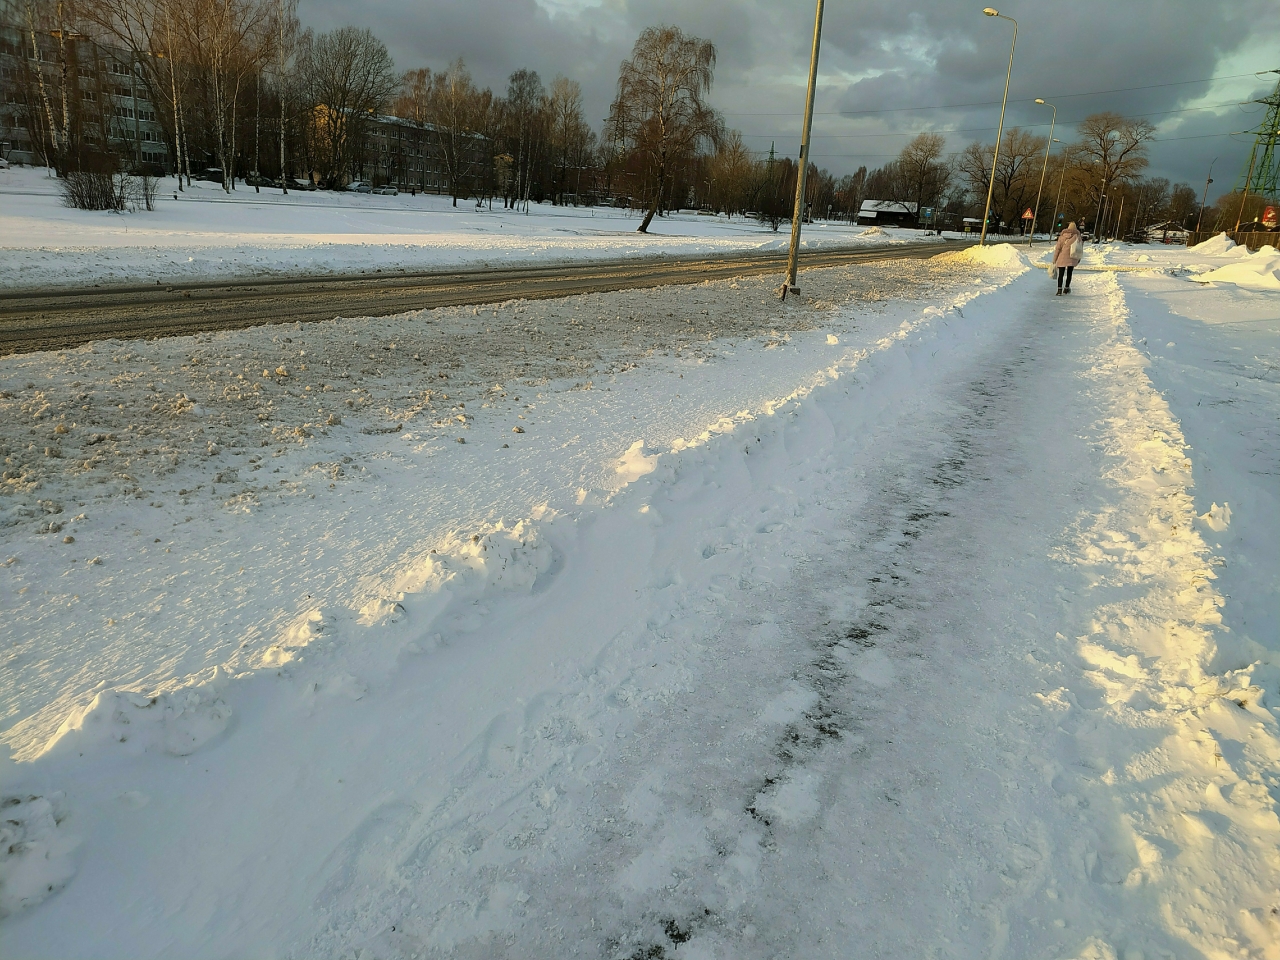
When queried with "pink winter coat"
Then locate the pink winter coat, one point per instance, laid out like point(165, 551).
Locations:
point(1062, 249)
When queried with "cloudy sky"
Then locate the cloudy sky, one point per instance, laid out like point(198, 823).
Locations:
point(889, 68)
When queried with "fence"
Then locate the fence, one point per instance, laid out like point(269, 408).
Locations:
point(1253, 239)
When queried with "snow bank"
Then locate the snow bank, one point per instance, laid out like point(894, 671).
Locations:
point(1260, 271)
point(176, 723)
point(993, 255)
point(1215, 246)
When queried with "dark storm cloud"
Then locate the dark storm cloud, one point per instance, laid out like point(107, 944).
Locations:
point(877, 58)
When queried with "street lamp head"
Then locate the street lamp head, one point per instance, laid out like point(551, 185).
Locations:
point(1056, 140)
point(1038, 100)
point(991, 11)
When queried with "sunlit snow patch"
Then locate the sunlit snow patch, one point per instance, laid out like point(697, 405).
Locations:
point(1218, 518)
point(636, 462)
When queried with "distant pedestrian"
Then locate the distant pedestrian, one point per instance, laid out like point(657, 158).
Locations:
point(1066, 255)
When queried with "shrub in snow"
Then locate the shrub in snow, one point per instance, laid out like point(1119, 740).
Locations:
point(104, 190)
point(93, 190)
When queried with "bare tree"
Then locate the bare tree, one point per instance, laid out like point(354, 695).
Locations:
point(660, 111)
point(923, 170)
point(454, 105)
point(569, 134)
point(734, 174)
point(1017, 175)
point(1111, 149)
point(525, 112)
point(286, 38)
point(232, 38)
point(1183, 204)
point(348, 75)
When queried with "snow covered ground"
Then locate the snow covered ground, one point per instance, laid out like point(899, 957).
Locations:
point(204, 234)
point(928, 615)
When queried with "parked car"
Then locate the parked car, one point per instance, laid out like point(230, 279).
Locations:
point(210, 175)
point(301, 184)
point(386, 191)
point(359, 186)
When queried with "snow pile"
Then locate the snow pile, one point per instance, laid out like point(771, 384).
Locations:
point(992, 255)
point(1259, 271)
point(176, 723)
point(35, 850)
point(1218, 246)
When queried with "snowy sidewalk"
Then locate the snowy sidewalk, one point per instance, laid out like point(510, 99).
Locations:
point(924, 661)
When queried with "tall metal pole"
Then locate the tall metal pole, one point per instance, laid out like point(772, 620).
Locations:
point(991, 187)
point(1205, 199)
point(794, 256)
point(1043, 170)
point(1057, 203)
point(1248, 178)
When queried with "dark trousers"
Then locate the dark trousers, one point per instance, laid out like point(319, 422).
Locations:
point(1064, 272)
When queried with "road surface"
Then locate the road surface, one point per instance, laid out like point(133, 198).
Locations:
point(58, 319)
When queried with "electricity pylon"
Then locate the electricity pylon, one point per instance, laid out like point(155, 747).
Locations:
point(1263, 178)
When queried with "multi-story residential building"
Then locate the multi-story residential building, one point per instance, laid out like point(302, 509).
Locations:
point(411, 156)
point(106, 103)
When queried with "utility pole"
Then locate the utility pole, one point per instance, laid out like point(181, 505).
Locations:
point(995, 160)
point(1205, 199)
point(793, 257)
point(1244, 198)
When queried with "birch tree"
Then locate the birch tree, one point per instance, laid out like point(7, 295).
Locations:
point(660, 111)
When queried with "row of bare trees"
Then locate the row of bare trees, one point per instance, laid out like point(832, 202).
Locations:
point(227, 76)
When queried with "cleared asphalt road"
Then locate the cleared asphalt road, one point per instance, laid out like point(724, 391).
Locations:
point(53, 320)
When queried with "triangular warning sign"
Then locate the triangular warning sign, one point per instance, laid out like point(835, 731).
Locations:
point(1027, 215)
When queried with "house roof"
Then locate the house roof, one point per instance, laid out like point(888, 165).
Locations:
point(886, 206)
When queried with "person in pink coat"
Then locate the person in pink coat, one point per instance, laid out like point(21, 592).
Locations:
point(1066, 255)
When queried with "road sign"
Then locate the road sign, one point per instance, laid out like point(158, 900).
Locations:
point(1027, 214)
point(926, 213)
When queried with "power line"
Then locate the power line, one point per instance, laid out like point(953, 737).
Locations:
point(988, 103)
point(849, 156)
point(1025, 126)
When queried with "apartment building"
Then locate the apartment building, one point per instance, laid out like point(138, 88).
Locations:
point(99, 89)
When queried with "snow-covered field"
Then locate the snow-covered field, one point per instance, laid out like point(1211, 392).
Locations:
point(927, 615)
point(204, 234)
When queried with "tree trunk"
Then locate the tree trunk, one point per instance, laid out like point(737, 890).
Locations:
point(657, 199)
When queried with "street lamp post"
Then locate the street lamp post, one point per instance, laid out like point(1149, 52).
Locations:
point(1062, 177)
point(1205, 199)
point(1097, 220)
point(794, 254)
point(991, 187)
point(1043, 170)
